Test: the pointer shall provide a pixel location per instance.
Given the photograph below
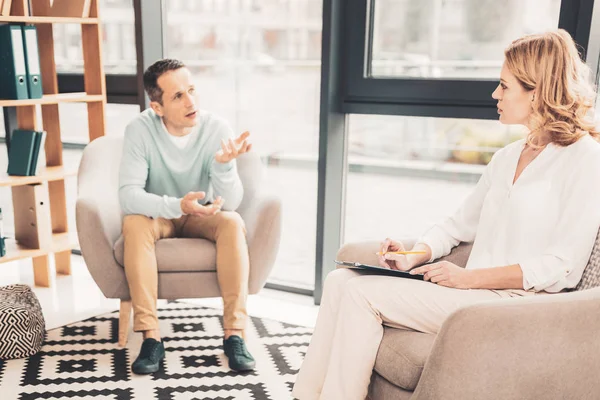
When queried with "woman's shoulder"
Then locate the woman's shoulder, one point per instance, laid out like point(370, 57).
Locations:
point(585, 147)
point(588, 142)
point(584, 154)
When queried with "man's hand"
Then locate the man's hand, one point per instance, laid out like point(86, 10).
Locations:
point(190, 205)
point(445, 273)
point(393, 261)
point(233, 148)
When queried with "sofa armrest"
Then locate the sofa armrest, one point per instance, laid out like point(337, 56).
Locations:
point(364, 252)
point(97, 249)
point(263, 232)
point(543, 347)
point(459, 255)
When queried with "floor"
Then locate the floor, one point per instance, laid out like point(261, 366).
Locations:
point(76, 297)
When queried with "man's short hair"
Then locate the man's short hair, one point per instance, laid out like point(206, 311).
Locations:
point(154, 72)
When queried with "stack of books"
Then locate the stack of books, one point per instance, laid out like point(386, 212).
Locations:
point(24, 152)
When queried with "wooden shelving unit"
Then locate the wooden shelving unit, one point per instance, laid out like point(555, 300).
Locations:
point(54, 99)
point(47, 174)
point(49, 20)
point(63, 240)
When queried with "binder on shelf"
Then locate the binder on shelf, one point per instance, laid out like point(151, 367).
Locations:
point(20, 155)
point(33, 227)
point(13, 72)
point(38, 148)
point(24, 154)
point(32, 62)
point(71, 8)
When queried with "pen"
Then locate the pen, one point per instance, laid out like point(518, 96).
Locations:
point(400, 252)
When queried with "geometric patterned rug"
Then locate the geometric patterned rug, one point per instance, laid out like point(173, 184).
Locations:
point(83, 361)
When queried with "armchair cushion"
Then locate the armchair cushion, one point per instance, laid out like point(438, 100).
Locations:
point(200, 255)
point(591, 273)
point(402, 355)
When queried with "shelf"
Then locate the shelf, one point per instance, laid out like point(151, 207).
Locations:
point(55, 99)
point(49, 20)
point(61, 242)
point(45, 174)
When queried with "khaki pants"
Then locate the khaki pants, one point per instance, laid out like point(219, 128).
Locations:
point(225, 228)
point(354, 308)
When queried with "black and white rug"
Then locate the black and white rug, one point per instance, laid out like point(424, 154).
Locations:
point(83, 361)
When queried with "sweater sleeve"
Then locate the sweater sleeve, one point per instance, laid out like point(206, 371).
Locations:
point(133, 174)
point(573, 237)
point(224, 178)
point(462, 225)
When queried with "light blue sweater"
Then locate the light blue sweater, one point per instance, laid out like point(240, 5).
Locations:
point(155, 174)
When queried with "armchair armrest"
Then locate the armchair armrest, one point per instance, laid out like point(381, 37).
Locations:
point(96, 240)
point(543, 347)
point(262, 217)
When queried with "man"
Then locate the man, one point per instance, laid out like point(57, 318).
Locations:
point(178, 178)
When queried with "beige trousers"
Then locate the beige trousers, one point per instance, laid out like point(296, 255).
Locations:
point(354, 308)
point(225, 228)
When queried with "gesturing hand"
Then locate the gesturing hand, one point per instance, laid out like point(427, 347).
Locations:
point(445, 273)
point(233, 148)
point(393, 261)
point(190, 205)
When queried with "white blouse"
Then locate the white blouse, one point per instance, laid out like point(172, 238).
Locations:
point(546, 222)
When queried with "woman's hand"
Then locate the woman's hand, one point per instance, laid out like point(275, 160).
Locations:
point(445, 273)
point(393, 261)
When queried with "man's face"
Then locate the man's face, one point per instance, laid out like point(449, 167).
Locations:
point(178, 100)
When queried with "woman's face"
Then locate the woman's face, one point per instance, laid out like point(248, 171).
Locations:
point(514, 101)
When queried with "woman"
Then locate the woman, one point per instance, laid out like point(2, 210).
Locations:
point(533, 196)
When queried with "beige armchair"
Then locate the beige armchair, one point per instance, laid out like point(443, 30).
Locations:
point(187, 267)
point(534, 347)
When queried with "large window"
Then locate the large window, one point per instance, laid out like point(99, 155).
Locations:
point(452, 38)
point(74, 120)
point(408, 173)
point(440, 58)
point(257, 64)
point(119, 55)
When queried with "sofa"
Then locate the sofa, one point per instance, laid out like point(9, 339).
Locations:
point(531, 347)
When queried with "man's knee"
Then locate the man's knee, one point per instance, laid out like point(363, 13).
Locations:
point(136, 224)
point(231, 220)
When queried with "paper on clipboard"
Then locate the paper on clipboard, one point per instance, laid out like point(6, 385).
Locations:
point(379, 270)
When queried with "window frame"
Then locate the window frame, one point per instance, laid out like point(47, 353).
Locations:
point(460, 98)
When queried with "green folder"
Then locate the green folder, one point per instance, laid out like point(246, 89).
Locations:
point(20, 155)
point(13, 72)
point(32, 62)
point(38, 146)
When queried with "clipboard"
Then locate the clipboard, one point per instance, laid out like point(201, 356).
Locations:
point(380, 270)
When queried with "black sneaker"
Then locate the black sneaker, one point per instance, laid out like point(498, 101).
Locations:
point(148, 360)
point(239, 357)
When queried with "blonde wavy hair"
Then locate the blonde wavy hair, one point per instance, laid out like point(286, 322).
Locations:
point(563, 106)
